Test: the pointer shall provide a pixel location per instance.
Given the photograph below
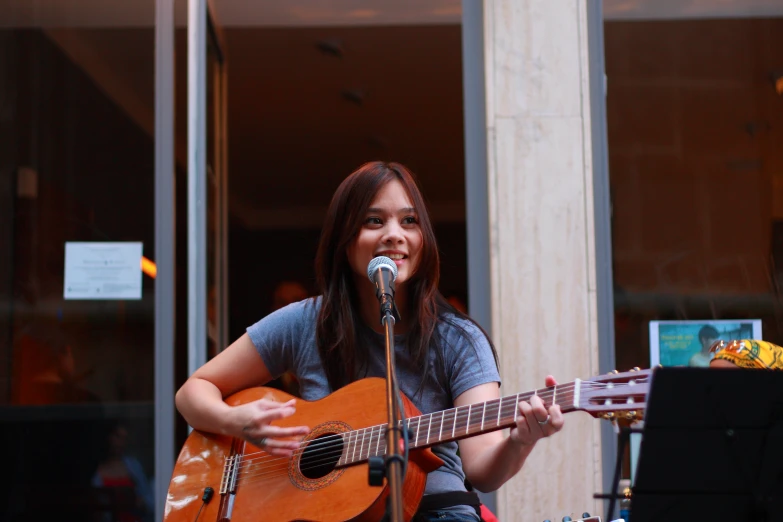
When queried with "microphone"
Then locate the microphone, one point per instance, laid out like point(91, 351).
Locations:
point(382, 272)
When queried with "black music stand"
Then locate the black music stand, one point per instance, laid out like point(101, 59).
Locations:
point(712, 447)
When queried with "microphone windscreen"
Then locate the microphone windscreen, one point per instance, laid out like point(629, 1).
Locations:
point(378, 262)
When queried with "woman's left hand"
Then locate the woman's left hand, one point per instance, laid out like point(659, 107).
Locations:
point(535, 420)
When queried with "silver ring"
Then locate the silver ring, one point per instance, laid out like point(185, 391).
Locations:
point(262, 442)
point(545, 421)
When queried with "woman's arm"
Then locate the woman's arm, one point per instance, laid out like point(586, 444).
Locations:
point(200, 400)
point(489, 460)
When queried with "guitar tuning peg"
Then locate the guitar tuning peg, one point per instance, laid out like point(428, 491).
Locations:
point(636, 369)
point(608, 415)
point(630, 415)
point(585, 515)
point(613, 372)
point(567, 519)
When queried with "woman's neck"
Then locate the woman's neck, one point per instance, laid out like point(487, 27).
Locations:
point(370, 307)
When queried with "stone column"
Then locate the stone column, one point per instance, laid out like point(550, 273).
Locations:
point(542, 252)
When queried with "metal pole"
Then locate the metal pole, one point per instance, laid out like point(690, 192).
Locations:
point(476, 190)
point(165, 240)
point(394, 463)
point(197, 185)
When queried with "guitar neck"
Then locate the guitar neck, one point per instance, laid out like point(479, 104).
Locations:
point(456, 423)
point(475, 419)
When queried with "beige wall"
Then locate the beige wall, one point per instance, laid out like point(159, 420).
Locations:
point(541, 236)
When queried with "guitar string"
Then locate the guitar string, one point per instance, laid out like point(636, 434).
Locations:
point(247, 472)
point(492, 408)
point(252, 471)
point(263, 471)
point(310, 444)
point(252, 467)
point(337, 447)
point(280, 465)
point(451, 412)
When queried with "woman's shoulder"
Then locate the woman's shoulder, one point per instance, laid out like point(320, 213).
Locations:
point(308, 304)
point(464, 343)
point(291, 315)
point(305, 309)
point(453, 325)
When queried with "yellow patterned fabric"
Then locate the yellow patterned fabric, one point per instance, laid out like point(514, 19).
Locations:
point(750, 353)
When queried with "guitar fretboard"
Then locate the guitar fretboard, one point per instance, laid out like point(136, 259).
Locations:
point(455, 423)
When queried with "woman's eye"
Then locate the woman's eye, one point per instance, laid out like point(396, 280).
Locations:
point(410, 220)
point(373, 221)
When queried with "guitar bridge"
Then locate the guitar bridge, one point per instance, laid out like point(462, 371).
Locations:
point(228, 482)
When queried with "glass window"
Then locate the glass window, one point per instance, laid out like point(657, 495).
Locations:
point(695, 114)
point(76, 165)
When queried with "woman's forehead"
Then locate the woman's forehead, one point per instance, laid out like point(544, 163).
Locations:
point(392, 194)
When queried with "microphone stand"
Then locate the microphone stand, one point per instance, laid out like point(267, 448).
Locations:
point(394, 458)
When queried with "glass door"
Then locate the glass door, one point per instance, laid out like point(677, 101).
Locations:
point(77, 270)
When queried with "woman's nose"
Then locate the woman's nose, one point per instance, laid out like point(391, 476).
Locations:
point(393, 233)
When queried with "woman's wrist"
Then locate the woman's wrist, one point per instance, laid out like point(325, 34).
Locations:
point(520, 446)
point(229, 422)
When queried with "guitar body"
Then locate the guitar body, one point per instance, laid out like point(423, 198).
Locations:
point(274, 489)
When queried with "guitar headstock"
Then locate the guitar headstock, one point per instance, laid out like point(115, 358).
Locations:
point(615, 395)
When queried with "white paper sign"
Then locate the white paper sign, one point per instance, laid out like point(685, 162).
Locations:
point(102, 270)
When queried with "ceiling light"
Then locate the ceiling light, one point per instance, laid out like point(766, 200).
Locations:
point(777, 81)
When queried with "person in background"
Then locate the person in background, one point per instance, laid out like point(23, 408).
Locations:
point(458, 303)
point(747, 353)
point(707, 336)
point(52, 444)
point(287, 292)
point(47, 367)
point(122, 482)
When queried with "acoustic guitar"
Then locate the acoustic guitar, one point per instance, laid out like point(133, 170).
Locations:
point(219, 478)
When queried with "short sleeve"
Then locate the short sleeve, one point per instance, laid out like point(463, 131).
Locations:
point(277, 336)
point(469, 357)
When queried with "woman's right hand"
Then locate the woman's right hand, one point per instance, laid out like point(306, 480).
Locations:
point(254, 418)
point(200, 400)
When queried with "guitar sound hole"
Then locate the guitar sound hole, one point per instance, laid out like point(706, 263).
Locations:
point(320, 456)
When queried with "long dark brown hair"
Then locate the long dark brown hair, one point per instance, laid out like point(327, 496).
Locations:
point(338, 317)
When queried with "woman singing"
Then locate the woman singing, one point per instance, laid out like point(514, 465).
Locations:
point(443, 358)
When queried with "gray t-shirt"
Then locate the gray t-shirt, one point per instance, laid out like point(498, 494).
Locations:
point(286, 341)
